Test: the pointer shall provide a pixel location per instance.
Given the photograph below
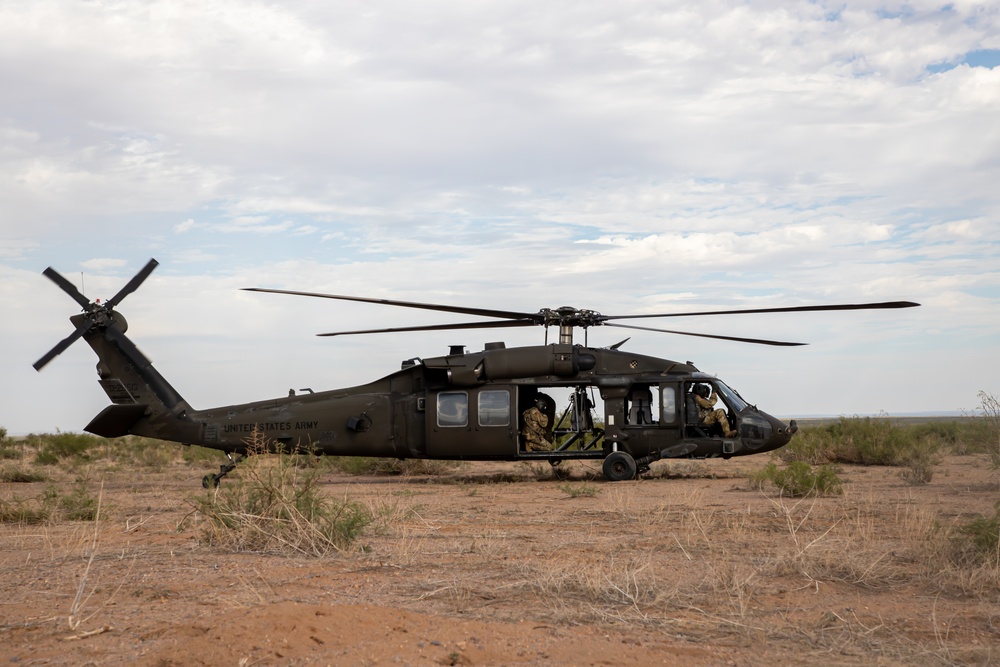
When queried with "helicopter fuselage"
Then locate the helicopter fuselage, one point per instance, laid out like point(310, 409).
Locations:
point(470, 406)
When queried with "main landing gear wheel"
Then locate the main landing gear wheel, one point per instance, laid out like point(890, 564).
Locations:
point(619, 466)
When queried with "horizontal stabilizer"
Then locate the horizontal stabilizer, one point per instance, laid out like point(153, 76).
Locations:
point(115, 420)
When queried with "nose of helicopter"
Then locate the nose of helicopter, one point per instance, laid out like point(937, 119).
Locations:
point(781, 433)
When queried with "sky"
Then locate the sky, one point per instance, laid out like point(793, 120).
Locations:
point(633, 157)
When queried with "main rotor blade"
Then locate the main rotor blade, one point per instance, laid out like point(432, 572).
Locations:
point(133, 284)
point(790, 309)
point(67, 287)
point(758, 341)
point(485, 312)
point(439, 327)
point(63, 344)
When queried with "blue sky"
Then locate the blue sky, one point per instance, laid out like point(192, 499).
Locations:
point(646, 157)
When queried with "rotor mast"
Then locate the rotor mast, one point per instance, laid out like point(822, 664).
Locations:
point(567, 318)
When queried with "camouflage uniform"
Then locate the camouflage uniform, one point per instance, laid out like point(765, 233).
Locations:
point(537, 437)
point(708, 416)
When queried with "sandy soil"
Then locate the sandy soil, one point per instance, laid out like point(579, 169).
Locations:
point(494, 566)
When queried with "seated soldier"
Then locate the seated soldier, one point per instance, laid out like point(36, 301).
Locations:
point(708, 414)
point(537, 430)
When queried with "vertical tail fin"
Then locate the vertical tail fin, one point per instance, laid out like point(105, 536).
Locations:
point(144, 402)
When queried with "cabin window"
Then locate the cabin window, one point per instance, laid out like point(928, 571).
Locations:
point(494, 408)
point(453, 408)
point(641, 409)
point(668, 404)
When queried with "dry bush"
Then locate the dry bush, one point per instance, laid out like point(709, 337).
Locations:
point(989, 404)
point(275, 506)
point(24, 511)
point(606, 590)
point(919, 462)
point(18, 474)
point(965, 558)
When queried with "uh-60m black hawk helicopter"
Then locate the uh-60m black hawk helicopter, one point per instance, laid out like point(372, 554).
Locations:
point(460, 406)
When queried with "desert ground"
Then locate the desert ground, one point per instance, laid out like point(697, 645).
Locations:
point(511, 564)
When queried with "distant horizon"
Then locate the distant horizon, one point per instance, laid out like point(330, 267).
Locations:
point(958, 414)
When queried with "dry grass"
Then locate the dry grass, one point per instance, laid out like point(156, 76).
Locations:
point(702, 572)
point(878, 574)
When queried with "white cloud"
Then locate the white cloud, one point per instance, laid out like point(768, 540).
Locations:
point(103, 264)
point(185, 226)
point(660, 156)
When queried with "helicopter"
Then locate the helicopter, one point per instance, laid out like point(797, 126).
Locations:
point(460, 406)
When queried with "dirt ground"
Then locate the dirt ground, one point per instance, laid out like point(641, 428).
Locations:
point(504, 564)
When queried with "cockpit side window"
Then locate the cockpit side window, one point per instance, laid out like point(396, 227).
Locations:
point(668, 404)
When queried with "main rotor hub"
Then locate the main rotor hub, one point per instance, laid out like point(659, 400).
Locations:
point(568, 317)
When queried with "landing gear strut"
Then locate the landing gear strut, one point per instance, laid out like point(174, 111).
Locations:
point(211, 480)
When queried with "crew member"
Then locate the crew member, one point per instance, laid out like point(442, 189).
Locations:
point(708, 414)
point(537, 431)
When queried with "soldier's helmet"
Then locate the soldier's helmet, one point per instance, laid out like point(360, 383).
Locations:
point(701, 390)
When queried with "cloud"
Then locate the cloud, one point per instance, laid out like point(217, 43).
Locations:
point(669, 155)
point(185, 226)
point(13, 249)
point(102, 265)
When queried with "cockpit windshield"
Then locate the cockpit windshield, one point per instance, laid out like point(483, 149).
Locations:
point(732, 399)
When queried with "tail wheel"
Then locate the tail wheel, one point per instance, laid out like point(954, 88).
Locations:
point(619, 466)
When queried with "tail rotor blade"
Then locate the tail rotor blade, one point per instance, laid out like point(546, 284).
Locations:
point(133, 284)
point(67, 287)
point(63, 344)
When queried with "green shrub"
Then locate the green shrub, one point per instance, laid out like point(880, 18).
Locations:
point(580, 490)
point(919, 461)
point(799, 478)
point(9, 452)
point(978, 542)
point(73, 446)
point(815, 446)
point(870, 441)
point(878, 441)
point(959, 437)
point(80, 504)
point(17, 510)
point(17, 474)
point(136, 451)
point(30, 511)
